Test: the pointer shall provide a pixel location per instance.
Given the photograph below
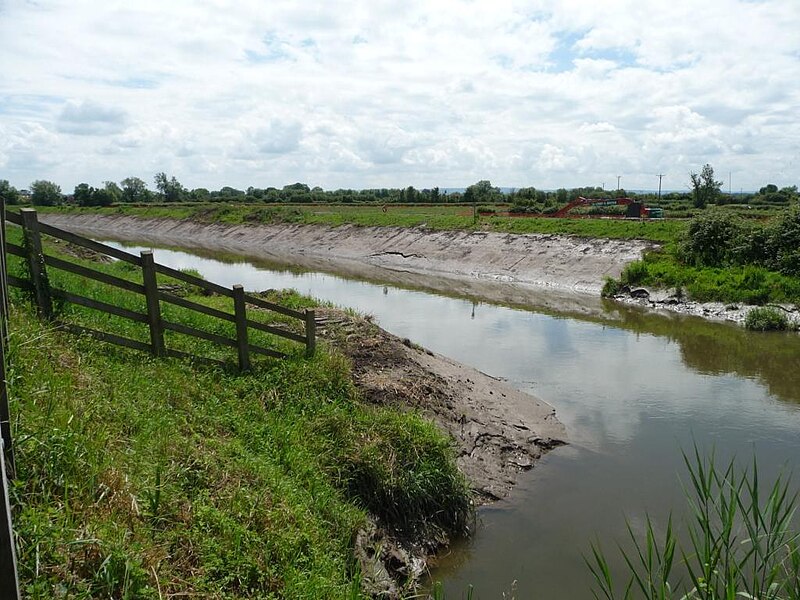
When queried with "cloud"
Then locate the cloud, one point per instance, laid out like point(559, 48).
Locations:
point(548, 93)
point(88, 118)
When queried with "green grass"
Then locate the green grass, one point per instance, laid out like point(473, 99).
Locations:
point(766, 318)
point(748, 284)
point(141, 477)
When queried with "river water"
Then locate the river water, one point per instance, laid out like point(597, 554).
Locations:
point(633, 389)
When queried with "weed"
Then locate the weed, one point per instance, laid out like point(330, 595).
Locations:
point(766, 318)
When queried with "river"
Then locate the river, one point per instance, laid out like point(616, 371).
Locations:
point(633, 389)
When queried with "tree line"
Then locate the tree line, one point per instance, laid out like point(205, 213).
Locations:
point(704, 190)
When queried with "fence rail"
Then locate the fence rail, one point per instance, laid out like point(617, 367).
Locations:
point(38, 262)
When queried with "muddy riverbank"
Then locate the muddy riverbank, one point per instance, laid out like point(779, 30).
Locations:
point(547, 271)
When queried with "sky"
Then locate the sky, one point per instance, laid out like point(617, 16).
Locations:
point(427, 93)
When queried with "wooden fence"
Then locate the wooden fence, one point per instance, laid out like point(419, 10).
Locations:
point(38, 263)
point(9, 583)
point(38, 283)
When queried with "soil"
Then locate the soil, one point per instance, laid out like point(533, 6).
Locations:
point(499, 432)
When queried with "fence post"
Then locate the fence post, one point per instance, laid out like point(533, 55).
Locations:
point(5, 413)
point(311, 333)
point(153, 307)
point(240, 311)
point(9, 584)
point(3, 266)
point(41, 287)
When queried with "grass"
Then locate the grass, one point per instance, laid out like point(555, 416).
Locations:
point(740, 543)
point(766, 318)
point(145, 478)
point(747, 284)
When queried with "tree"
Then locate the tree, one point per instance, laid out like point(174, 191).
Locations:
point(45, 193)
point(134, 190)
point(8, 192)
point(170, 189)
point(481, 192)
point(83, 194)
point(705, 189)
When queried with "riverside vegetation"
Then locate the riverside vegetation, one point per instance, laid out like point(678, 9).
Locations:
point(143, 478)
point(722, 257)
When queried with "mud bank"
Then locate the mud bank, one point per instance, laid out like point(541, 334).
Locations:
point(545, 271)
point(667, 301)
point(498, 432)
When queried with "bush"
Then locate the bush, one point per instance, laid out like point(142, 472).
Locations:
point(711, 239)
point(610, 287)
point(766, 318)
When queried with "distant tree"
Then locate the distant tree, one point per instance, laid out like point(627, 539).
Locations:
point(200, 195)
point(481, 192)
point(229, 192)
point(561, 196)
point(169, 189)
point(112, 190)
point(8, 192)
point(296, 187)
point(705, 189)
point(45, 193)
point(83, 195)
point(134, 190)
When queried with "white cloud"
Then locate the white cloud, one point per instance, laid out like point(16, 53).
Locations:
point(548, 93)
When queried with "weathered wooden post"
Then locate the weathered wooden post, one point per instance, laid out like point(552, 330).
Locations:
point(5, 413)
point(35, 260)
point(240, 312)
point(153, 306)
point(311, 333)
point(3, 265)
point(9, 583)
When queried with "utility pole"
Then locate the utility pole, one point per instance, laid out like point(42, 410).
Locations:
point(660, 175)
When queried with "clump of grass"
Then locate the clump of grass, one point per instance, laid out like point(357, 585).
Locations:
point(610, 287)
point(741, 543)
point(766, 318)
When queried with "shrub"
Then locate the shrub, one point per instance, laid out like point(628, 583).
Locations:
point(610, 287)
point(635, 273)
point(766, 318)
point(711, 239)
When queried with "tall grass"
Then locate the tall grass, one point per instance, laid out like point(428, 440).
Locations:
point(740, 543)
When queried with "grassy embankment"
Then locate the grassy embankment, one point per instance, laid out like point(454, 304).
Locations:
point(141, 477)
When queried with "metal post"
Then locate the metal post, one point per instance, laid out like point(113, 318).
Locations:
point(240, 311)
point(153, 307)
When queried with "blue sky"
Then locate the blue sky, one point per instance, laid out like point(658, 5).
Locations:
point(385, 94)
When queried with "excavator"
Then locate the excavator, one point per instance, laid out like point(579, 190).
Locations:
point(636, 208)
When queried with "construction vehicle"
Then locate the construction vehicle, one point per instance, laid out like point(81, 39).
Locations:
point(635, 208)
